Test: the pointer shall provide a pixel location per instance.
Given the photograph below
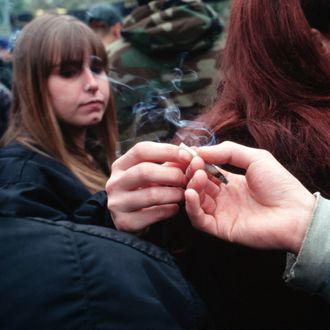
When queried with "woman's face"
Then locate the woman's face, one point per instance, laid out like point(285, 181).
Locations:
point(79, 93)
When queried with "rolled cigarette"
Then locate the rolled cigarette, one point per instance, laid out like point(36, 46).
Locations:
point(215, 171)
point(210, 168)
point(188, 149)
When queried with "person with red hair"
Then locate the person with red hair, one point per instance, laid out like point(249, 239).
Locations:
point(277, 84)
point(276, 96)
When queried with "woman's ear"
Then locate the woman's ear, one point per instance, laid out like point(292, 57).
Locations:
point(321, 41)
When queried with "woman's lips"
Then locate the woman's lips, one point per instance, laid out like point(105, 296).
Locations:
point(93, 102)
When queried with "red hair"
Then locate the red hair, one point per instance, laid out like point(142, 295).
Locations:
point(277, 85)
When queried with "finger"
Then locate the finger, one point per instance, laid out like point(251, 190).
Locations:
point(143, 218)
point(213, 187)
point(208, 204)
point(146, 174)
point(201, 182)
point(212, 171)
point(198, 181)
point(206, 189)
point(182, 166)
point(184, 155)
point(231, 153)
point(195, 164)
point(143, 198)
point(148, 152)
point(199, 219)
point(193, 205)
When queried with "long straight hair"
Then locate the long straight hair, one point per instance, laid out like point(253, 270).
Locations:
point(44, 41)
point(277, 84)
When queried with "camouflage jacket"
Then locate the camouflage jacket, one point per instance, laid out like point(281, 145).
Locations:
point(164, 69)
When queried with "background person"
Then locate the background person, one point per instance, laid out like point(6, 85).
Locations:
point(5, 62)
point(105, 20)
point(166, 68)
point(5, 103)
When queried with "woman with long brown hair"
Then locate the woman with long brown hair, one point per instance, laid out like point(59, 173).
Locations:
point(55, 159)
point(59, 147)
point(61, 49)
point(62, 131)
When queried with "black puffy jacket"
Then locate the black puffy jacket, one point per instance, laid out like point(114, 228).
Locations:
point(61, 268)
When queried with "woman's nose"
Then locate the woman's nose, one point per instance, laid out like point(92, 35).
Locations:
point(90, 82)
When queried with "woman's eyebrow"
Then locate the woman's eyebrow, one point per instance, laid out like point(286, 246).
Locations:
point(67, 62)
point(71, 62)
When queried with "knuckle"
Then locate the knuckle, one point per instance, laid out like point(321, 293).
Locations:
point(140, 148)
point(112, 204)
point(108, 187)
point(265, 153)
point(152, 196)
point(227, 144)
point(180, 177)
point(176, 177)
point(112, 184)
point(114, 165)
point(143, 171)
point(123, 223)
point(168, 211)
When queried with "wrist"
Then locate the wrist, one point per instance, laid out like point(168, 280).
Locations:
point(303, 218)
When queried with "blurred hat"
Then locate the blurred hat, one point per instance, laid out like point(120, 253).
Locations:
point(4, 43)
point(103, 12)
point(125, 6)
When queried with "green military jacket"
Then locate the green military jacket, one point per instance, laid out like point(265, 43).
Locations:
point(165, 68)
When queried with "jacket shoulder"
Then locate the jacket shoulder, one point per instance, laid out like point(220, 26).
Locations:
point(20, 164)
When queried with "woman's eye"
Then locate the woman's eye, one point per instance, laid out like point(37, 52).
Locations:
point(70, 71)
point(96, 65)
point(97, 68)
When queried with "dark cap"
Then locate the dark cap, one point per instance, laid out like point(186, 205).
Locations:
point(103, 12)
point(4, 43)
